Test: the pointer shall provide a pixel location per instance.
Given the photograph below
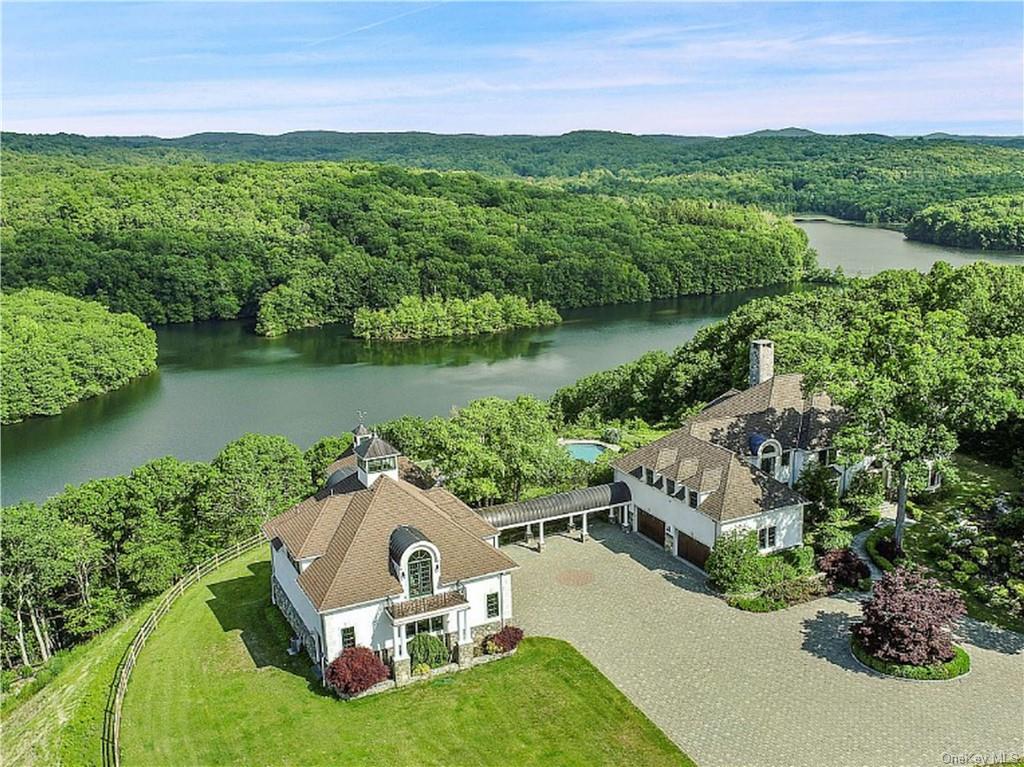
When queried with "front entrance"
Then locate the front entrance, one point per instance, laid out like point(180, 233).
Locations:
point(650, 526)
point(692, 550)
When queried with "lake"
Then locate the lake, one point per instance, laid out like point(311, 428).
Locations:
point(218, 381)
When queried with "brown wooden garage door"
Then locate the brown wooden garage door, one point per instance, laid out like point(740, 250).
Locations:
point(691, 549)
point(651, 526)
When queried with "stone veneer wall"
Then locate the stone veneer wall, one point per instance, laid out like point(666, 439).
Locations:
point(479, 632)
point(292, 616)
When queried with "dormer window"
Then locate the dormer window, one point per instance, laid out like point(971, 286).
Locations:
point(694, 499)
point(670, 486)
point(421, 574)
point(768, 457)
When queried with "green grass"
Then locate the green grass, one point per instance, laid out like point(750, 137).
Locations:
point(935, 513)
point(215, 686)
point(62, 723)
point(958, 666)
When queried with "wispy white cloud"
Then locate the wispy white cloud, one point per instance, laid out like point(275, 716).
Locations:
point(542, 70)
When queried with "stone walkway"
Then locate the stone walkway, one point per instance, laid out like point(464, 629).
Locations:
point(859, 547)
point(736, 689)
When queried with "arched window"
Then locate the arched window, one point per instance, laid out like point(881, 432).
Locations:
point(421, 574)
point(769, 458)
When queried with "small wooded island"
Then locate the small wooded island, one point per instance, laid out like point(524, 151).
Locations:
point(58, 350)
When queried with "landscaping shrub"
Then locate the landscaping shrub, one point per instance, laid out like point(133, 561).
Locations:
point(830, 537)
point(794, 590)
point(865, 494)
point(759, 604)
point(843, 569)
point(356, 670)
point(421, 669)
point(734, 562)
point(428, 649)
point(506, 640)
point(959, 665)
point(800, 558)
point(909, 619)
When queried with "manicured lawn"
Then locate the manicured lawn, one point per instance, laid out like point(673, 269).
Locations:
point(935, 514)
point(215, 686)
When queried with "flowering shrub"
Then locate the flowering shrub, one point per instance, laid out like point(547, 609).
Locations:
point(505, 640)
point(427, 649)
point(842, 568)
point(357, 669)
point(909, 619)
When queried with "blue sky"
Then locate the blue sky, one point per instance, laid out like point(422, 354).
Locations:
point(546, 68)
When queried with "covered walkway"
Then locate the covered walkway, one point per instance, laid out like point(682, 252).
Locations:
point(612, 498)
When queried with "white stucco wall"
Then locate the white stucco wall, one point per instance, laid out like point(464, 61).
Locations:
point(288, 578)
point(476, 594)
point(373, 625)
point(672, 511)
point(788, 522)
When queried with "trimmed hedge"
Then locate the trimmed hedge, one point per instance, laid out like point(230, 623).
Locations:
point(958, 666)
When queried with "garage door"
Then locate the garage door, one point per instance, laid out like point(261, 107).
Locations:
point(651, 526)
point(691, 549)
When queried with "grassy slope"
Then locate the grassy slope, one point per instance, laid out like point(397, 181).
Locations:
point(934, 513)
point(215, 686)
point(63, 722)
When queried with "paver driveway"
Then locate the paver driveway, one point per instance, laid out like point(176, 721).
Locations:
point(734, 688)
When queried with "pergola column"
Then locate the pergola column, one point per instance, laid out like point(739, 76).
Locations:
point(540, 542)
point(396, 641)
point(583, 534)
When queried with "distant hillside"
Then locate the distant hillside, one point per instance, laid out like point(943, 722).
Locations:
point(861, 177)
point(302, 244)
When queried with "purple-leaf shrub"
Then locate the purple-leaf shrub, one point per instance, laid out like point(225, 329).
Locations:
point(355, 670)
point(909, 619)
point(842, 569)
point(507, 639)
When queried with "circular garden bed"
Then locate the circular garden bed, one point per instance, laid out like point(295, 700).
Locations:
point(958, 666)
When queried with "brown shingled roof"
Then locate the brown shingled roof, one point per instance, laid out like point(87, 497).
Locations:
point(354, 562)
point(736, 489)
point(776, 409)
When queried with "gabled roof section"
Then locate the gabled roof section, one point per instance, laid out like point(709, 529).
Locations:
point(776, 409)
point(735, 488)
point(355, 566)
point(307, 528)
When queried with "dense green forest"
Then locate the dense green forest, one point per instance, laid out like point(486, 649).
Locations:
point(806, 326)
point(76, 563)
point(80, 561)
point(306, 243)
point(415, 318)
point(861, 177)
point(993, 222)
point(56, 350)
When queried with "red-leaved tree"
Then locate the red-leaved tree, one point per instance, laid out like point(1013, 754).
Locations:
point(355, 670)
point(909, 619)
point(842, 569)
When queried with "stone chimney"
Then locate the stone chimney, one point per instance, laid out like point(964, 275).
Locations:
point(762, 361)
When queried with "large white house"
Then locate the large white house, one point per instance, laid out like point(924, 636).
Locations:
point(373, 559)
point(733, 466)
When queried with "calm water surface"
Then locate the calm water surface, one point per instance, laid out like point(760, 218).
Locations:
point(218, 381)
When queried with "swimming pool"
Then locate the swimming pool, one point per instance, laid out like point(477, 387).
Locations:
point(585, 451)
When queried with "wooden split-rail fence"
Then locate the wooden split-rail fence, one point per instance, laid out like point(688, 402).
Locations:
point(119, 686)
